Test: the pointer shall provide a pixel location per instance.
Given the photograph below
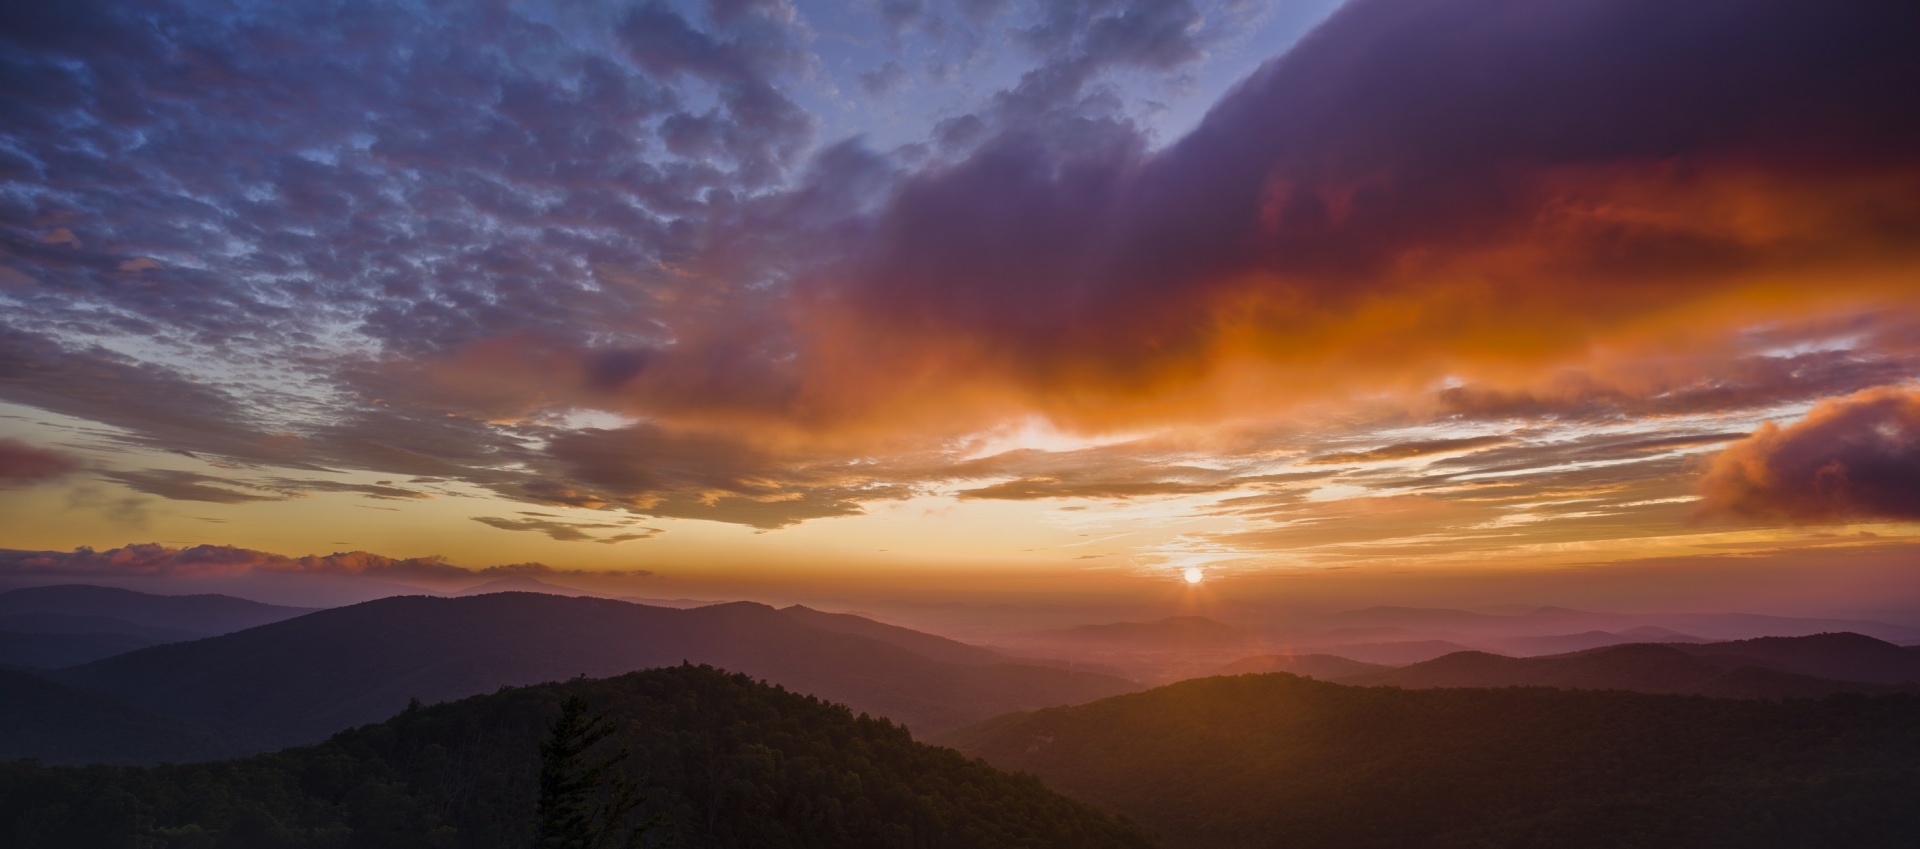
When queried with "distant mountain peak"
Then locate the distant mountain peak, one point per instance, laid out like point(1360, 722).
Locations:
point(520, 583)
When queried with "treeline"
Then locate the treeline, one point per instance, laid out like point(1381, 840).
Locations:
point(1275, 760)
point(716, 760)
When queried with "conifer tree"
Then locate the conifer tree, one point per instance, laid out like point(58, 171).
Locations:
point(583, 803)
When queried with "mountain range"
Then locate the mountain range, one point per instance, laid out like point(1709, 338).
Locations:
point(1180, 647)
point(1770, 667)
point(298, 680)
point(69, 624)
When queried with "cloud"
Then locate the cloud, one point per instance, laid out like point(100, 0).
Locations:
point(884, 80)
point(1851, 459)
point(462, 243)
point(186, 486)
point(154, 560)
point(1378, 208)
point(569, 531)
point(1159, 34)
point(1038, 488)
point(381, 489)
point(22, 464)
point(1409, 450)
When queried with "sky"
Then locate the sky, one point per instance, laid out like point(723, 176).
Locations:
point(1461, 302)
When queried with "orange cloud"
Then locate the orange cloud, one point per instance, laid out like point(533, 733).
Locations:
point(1851, 459)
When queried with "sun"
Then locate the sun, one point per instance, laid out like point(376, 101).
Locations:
point(1194, 574)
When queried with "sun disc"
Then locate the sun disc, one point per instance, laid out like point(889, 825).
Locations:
point(1194, 574)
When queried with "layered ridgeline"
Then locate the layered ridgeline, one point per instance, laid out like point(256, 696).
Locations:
point(299, 680)
point(66, 625)
point(720, 760)
point(1769, 667)
point(1281, 761)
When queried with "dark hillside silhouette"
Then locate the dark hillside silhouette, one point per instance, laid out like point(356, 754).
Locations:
point(1773, 667)
point(1258, 761)
point(722, 761)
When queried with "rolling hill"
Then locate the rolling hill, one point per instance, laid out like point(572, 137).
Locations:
point(189, 615)
point(1774, 667)
point(722, 761)
point(1275, 760)
point(1440, 623)
point(1842, 656)
point(1564, 643)
point(298, 680)
point(67, 625)
point(918, 642)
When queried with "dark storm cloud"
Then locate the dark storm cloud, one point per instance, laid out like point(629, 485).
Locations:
point(24, 464)
point(1399, 150)
point(1852, 459)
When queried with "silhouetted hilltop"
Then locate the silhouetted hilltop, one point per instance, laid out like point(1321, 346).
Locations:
point(1276, 760)
point(1774, 667)
point(1531, 646)
point(519, 584)
point(1325, 667)
point(1842, 656)
point(1394, 653)
point(724, 762)
point(1441, 623)
point(1645, 667)
point(299, 680)
point(918, 642)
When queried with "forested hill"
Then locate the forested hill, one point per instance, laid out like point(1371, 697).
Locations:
point(1275, 760)
point(723, 761)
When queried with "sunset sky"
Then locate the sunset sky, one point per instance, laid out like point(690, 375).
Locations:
point(1445, 302)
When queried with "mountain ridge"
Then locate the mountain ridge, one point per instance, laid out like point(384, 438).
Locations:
point(297, 680)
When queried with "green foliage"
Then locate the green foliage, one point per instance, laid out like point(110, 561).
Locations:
point(726, 761)
point(1278, 761)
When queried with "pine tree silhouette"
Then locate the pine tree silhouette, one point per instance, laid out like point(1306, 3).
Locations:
point(583, 803)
